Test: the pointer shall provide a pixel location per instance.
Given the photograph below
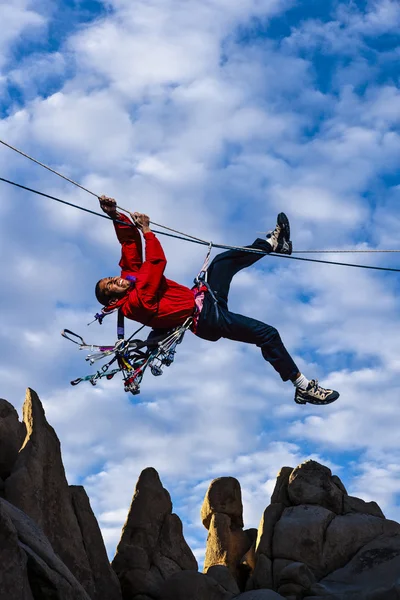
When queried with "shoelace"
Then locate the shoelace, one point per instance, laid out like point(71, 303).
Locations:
point(318, 391)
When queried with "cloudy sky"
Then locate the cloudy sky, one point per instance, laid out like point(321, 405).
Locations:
point(211, 116)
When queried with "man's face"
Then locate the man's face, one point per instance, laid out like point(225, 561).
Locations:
point(114, 287)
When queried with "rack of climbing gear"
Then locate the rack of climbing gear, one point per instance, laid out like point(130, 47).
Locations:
point(131, 357)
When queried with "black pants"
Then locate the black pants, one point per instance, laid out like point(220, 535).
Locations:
point(217, 321)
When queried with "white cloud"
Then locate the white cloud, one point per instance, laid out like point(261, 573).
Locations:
point(166, 110)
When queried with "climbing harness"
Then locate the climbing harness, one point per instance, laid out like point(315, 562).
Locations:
point(131, 357)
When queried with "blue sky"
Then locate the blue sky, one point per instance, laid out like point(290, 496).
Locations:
point(212, 117)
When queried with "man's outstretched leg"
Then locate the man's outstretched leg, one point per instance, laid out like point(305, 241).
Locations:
point(244, 329)
point(217, 321)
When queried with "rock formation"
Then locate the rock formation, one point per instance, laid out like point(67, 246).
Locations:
point(12, 434)
point(152, 546)
point(36, 484)
point(313, 541)
point(310, 547)
point(222, 515)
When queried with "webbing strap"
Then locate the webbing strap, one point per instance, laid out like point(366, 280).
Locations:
point(120, 325)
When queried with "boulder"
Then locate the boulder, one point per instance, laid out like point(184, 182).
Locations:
point(311, 483)
point(223, 496)
point(47, 575)
point(299, 573)
point(224, 578)
point(226, 544)
point(152, 547)
point(300, 534)
point(14, 581)
point(12, 434)
point(191, 585)
point(352, 504)
point(105, 580)
point(249, 559)
point(260, 595)
point(338, 482)
point(270, 517)
point(280, 493)
point(347, 534)
point(262, 574)
point(295, 579)
point(38, 486)
point(372, 574)
point(278, 565)
point(172, 544)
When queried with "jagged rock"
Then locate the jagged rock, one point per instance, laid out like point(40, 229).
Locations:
point(260, 595)
point(191, 585)
point(173, 546)
point(372, 574)
point(37, 485)
point(48, 576)
point(12, 434)
point(105, 580)
point(224, 578)
point(14, 576)
point(270, 517)
point(152, 547)
point(280, 493)
point(351, 504)
point(311, 483)
point(300, 533)
point(223, 496)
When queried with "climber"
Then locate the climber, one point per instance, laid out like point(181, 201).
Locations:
point(144, 294)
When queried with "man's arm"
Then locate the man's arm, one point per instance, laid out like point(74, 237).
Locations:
point(152, 270)
point(128, 235)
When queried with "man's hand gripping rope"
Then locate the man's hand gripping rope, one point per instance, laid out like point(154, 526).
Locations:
point(109, 206)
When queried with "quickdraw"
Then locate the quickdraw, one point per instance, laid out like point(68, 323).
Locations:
point(132, 356)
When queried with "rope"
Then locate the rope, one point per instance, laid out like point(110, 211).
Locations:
point(201, 242)
point(372, 251)
point(88, 191)
point(158, 224)
point(48, 168)
point(192, 237)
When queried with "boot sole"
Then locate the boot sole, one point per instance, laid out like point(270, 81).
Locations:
point(283, 222)
point(316, 402)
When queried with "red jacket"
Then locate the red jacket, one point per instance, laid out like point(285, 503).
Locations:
point(154, 300)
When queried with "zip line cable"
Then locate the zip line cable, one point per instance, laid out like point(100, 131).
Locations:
point(48, 168)
point(203, 242)
point(164, 226)
point(85, 189)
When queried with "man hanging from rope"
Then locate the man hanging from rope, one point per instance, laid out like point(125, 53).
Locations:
point(144, 294)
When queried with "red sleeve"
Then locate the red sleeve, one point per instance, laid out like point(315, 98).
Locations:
point(131, 242)
point(151, 272)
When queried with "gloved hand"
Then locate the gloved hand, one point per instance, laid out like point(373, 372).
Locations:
point(109, 206)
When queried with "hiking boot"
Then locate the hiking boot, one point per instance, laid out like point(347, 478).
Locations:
point(279, 238)
point(315, 394)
